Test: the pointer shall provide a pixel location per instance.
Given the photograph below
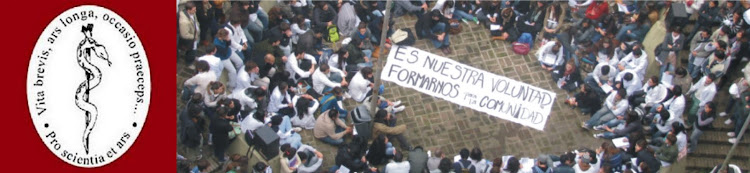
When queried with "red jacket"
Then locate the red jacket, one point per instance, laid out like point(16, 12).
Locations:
point(597, 9)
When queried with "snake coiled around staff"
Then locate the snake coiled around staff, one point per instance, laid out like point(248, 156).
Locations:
point(86, 48)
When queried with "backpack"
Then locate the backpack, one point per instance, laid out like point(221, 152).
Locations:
point(465, 169)
point(187, 92)
point(403, 37)
point(333, 34)
point(455, 27)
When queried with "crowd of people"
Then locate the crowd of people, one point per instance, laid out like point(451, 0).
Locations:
point(282, 73)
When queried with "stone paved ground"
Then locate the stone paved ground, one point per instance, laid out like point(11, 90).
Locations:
point(435, 123)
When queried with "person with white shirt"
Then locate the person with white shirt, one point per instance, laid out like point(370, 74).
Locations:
point(398, 164)
point(603, 74)
point(304, 108)
point(653, 92)
point(360, 87)
point(338, 60)
point(675, 104)
point(587, 162)
point(280, 101)
point(614, 105)
point(250, 99)
point(701, 92)
point(247, 76)
point(293, 65)
point(213, 61)
point(550, 55)
point(637, 61)
point(629, 81)
point(200, 81)
point(326, 78)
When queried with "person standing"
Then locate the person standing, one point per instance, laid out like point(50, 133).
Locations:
point(702, 92)
point(189, 31)
point(220, 133)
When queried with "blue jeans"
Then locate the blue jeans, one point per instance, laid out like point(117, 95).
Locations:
point(332, 141)
point(591, 83)
point(295, 140)
point(694, 139)
point(600, 117)
point(334, 77)
point(458, 15)
point(440, 27)
point(624, 32)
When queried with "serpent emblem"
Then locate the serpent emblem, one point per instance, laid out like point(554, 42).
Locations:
point(86, 49)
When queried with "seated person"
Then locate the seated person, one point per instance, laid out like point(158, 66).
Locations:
point(283, 127)
point(281, 101)
point(667, 153)
point(629, 81)
point(567, 77)
point(463, 163)
point(550, 55)
point(327, 78)
point(398, 164)
point(603, 74)
point(433, 25)
point(385, 125)
point(295, 64)
point(392, 107)
point(614, 105)
point(632, 123)
point(360, 85)
point(636, 61)
point(587, 100)
point(380, 150)
point(652, 93)
point(333, 100)
point(305, 107)
point(331, 129)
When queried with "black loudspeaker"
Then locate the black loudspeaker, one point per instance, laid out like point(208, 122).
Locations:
point(266, 142)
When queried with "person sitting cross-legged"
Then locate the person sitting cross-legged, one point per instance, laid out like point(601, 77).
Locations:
point(614, 105)
point(434, 26)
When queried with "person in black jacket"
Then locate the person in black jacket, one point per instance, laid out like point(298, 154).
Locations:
point(587, 100)
point(191, 123)
point(567, 77)
point(355, 162)
point(220, 130)
point(433, 26)
point(646, 156)
point(323, 15)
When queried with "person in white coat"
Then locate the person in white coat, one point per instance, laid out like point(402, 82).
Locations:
point(246, 76)
point(550, 55)
point(603, 74)
point(304, 109)
point(398, 164)
point(326, 78)
point(213, 61)
point(200, 81)
point(293, 65)
point(360, 87)
point(675, 104)
point(637, 61)
point(280, 100)
point(238, 43)
point(701, 92)
point(629, 81)
point(615, 105)
point(653, 92)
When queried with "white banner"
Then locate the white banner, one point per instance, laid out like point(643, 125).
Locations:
point(467, 86)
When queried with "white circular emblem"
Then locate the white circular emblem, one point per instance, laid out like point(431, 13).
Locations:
point(88, 86)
